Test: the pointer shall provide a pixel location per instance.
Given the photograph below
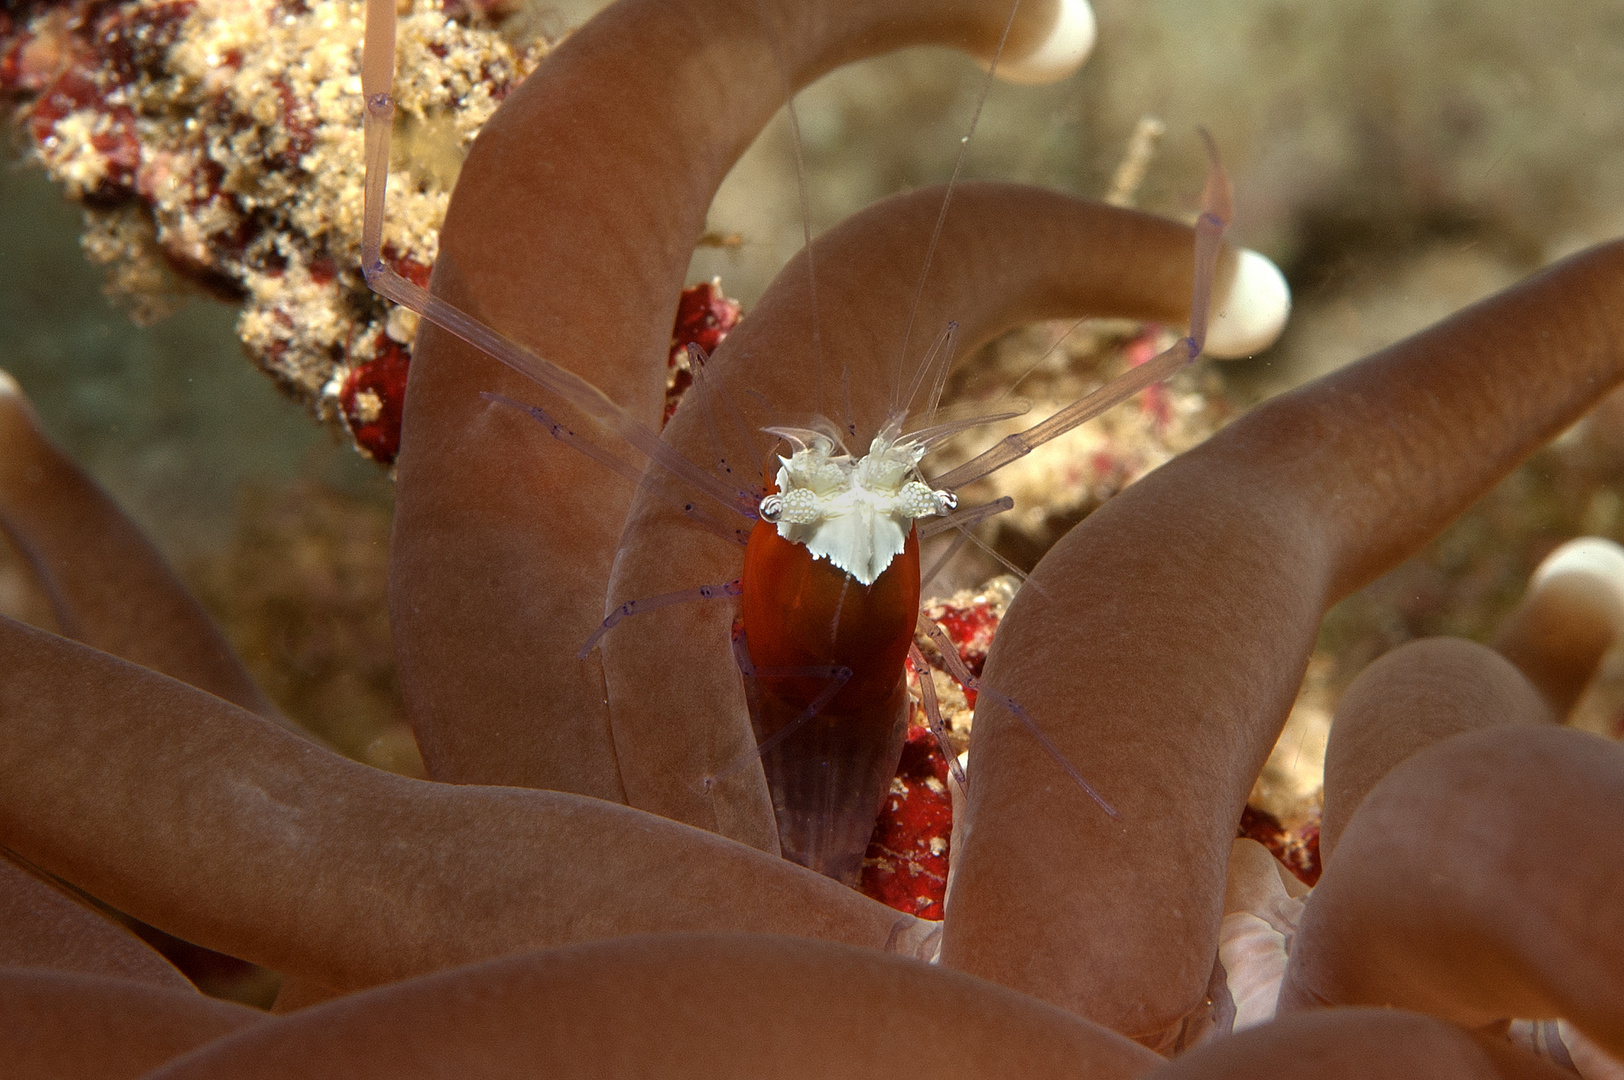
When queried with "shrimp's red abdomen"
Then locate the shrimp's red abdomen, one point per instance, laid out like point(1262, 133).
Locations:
point(799, 611)
point(830, 772)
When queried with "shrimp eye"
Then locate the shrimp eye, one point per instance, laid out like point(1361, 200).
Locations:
point(797, 506)
point(916, 499)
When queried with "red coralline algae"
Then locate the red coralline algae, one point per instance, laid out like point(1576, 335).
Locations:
point(705, 314)
point(906, 863)
point(407, 267)
point(217, 144)
point(89, 65)
point(1297, 848)
point(371, 398)
point(1156, 402)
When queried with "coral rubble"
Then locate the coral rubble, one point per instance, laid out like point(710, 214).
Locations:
point(219, 143)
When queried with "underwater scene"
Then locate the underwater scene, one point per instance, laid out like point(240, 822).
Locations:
point(1086, 546)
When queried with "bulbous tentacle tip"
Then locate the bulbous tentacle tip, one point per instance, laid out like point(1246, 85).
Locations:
point(1251, 314)
point(1570, 618)
point(1058, 55)
point(17, 417)
point(1599, 562)
point(1583, 580)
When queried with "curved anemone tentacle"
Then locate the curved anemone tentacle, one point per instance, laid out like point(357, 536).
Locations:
point(570, 231)
point(1007, 254)
point(1570, 618)
point(1354, 1044)
point(1418, 694)
point(1506, 905)
point(255, 843)
point(702, 1006)
point(48, 927)
point(90, 1027)
point(109, 586)
point(1172, 628)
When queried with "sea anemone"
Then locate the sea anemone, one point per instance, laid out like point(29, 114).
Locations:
point(544, 925)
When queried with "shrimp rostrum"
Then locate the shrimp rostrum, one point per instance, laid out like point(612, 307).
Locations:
point(795, 476)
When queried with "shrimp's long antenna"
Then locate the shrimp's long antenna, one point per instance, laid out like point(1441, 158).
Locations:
point(957, 668)
point(377, 77)
point(1217, 206)
point(938, 358)
point(992, 553)
point(947, 199)
point(1034, 365)
point(802, 188)
point(929, 575)
point(963, 521)
point(707, 394)
point(712, 393)
point(934, 401)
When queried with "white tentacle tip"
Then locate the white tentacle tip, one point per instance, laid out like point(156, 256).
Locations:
point(1595, 557)
point(1058, 55)
point(1250, 316)
point(1587, 573)
point(8, 385)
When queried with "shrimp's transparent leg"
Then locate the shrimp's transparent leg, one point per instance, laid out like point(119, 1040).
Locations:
point(962, 520)
point(933, 716)
point(967, 518)
point(654, 603)
point(639, 477)
point(1217, 206)
point(377, 77)
point(838, 675)
point(960, 671)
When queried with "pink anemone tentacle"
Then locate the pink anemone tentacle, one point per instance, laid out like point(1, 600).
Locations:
point(1418, 694)
point(570, 232)
point(109, 587)
point(1008, 254)
point(255, 843)
point(1355, 1044)
point(1479, 881)
point(1570, 618)
point(715, 1007)
point(97, 1027)
point(48, 927)
point(1169, 632)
